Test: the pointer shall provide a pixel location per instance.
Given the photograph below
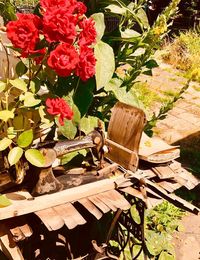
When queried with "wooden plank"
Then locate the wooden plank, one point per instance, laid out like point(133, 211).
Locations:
point(9, 247)
point(126, 125)
point(118, 200)
point(107, 201)
point(64, 211)
point(51, 219)
point(132, 191)
point(26, 206)
point(122, 155)
point(170, 187)
point(170, 197)
point(91, 207)
point(97, 202)
point(163, 172)
point(148, 173)
point(26, 230)
point(17, 234)
point(70, 215)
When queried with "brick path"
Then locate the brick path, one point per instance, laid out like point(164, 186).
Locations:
point(182, 124)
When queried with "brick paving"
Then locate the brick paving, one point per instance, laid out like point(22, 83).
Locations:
point(182, 124)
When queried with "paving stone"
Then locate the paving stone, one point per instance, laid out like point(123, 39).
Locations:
point(189, 117)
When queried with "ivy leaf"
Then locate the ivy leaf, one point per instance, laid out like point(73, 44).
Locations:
point(7, 114)
point(4, 201)
point(105, 65)
point(99, 24)
point(2, 86)
point(19, 84)
point(14, 155)
point(25, 138)
point(4, 143)
point(35, 157)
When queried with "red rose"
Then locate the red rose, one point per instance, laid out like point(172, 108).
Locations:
point(58, 106)
point(63, 59)
point(59, 26)
point(86, 65)
point(88, 34)
point(48, 4)
point(24, 32)
point(80, 8)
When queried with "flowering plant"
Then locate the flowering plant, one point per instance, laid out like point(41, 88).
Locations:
point(60, 54)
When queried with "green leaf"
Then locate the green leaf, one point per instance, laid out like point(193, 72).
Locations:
point(165, 256)
point(14, 155)
point(105, 65)
point(20, 68)
point(19, 83)
point(88, 124)
point(29, 99)
point(68, 130)
point(116, 9)
point(148, 72)
point(128, 97)
point(150, 64)
point(141, 14)
point(85, 89)
point(4, 143)
point(11, 133)
point(68, 157)
point(7, 114)
point(2, 86)
point(25, 138)
point(129, 33)
point(35, 157)
point(99, 24)
point(135, 214)
point(77, 116)
point(4, 201)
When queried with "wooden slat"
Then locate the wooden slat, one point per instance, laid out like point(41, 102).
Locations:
point(22, 207)
point(9, 247)
point(17, 234)
point(97, 202)
point(164, 172)
point(26, 230)
point(148, 173)
point(118, 200)
point(91, 207)
point(170, 187)
point(66, 215)
point(122, 155)
point(70, 215)
point(107, 201)
point(133, 192)
point(51, 219)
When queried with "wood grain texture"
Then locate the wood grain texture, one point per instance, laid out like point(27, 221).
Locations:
point(29, 204)
point(91, 207)
point(51, 219)
point(70, 215)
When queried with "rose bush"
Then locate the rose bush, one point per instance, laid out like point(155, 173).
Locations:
point(55, 78)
